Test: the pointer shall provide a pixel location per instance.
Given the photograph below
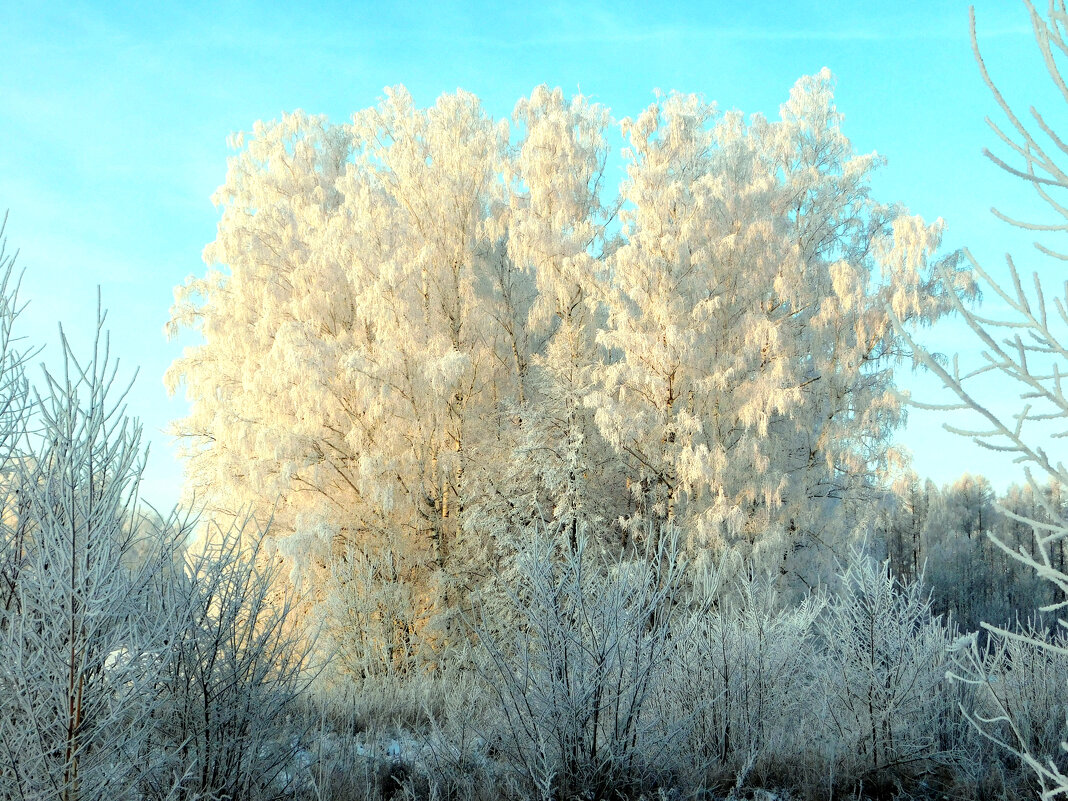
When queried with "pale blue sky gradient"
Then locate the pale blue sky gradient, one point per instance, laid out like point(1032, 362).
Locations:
point(114, 119)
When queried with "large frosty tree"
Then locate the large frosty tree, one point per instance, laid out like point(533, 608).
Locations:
point(357, 329)
point(557, 225)
point(751, 369)
point(424, 331)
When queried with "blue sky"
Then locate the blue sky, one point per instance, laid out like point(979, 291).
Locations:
point(114, 119)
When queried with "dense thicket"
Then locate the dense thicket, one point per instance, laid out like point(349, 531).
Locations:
point(130, 667)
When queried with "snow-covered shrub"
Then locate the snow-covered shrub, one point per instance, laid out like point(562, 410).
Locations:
point(79, 641)
point(15, 403)
point(879, 692)
point(375, 616)
point(1020, 684)
point(742, 682)
point(575, 683)
point(235, 673)
point(454, 761)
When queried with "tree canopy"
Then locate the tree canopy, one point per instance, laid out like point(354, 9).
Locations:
point(425, 330)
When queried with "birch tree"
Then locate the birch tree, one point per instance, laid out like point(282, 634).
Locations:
point(558, 231)
point(752, 368)
point(425, 332)
point(433, 179)
point(347, 342)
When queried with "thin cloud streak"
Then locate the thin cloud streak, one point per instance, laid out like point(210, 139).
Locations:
point(657, 35)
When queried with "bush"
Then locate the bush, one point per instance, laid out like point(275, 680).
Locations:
point(881, 706)
point(743, 682)
point(575, 686)
point(237, 670)
point(79, 645)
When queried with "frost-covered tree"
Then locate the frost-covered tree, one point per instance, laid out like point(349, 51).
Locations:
point(348, 345)
point(15, 404)
point(959, 564)
point(432, 179)
point(751, 354)
point(80, 636)
point(278, 195)
point(885, 655)
point(901, 523)
point(1024, 345)
point(558, 232)
point(425, 333)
